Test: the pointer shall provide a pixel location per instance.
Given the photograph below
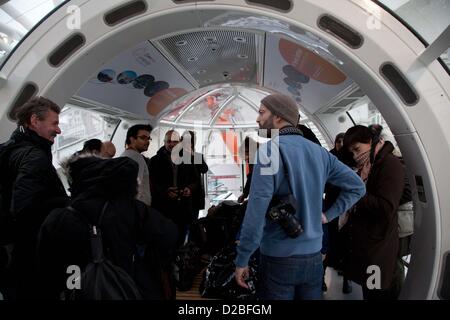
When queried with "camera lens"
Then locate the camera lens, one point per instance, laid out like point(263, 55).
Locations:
point(274, 215)
point(290, 225)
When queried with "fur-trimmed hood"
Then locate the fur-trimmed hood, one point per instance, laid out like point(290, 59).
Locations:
point(94, 175)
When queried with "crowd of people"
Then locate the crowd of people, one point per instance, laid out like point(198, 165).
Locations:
point(144, 207)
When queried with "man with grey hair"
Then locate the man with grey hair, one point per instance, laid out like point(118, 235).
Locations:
point(284, 214)
point(31, 188)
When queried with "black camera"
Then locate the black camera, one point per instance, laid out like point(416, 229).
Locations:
point(283, 212)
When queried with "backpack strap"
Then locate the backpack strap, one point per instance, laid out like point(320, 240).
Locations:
point(102, 214)
point(85, 219)
point(96, 238)
point(95, 234)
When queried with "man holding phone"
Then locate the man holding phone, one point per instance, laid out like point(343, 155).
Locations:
point(172, 184)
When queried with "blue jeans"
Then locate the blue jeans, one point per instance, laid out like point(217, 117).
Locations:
point(291, 278)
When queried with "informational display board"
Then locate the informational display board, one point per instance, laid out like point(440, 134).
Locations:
point(139, 80)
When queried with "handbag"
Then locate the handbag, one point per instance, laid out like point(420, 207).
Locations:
point(405, 219)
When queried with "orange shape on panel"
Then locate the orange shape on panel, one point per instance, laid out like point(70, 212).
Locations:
point(211, 101)
point(231, 141)
point(309, 63)
point(224, 117)
point(163, 98)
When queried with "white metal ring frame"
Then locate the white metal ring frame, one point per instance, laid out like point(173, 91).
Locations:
point(421, 130)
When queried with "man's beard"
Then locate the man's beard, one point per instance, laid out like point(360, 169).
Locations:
point(266, 128)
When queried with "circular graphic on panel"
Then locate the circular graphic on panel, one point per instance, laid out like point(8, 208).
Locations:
point(293, 83)
point(310, 63)
point(292, 73)
point(294, 91)
point(162, 99)
point(154, 87)
point(126, 77)
point(143, 80)
point(106, 75)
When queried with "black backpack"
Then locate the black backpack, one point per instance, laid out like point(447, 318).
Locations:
point(101, 279)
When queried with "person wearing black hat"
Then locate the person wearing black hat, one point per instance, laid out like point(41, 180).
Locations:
point(284, 215)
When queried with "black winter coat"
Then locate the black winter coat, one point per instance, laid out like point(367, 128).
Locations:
point(199, 194)
point(373, 225)
point(64, 237)
point(337, 239)
point(162, 177)
point(31, 184)
point(309, 134)
point(31, 188)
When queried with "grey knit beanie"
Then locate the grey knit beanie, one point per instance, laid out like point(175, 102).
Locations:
point(282, 106)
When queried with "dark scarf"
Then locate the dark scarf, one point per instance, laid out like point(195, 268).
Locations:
point(289, 130)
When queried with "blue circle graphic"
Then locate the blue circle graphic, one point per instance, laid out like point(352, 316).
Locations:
point(154, 87)
point(126, 77)
point(143, 81)
point(106, 75)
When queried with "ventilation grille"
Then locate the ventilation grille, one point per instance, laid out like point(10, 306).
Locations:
point(66, 49)
point(125, 12)
point(340, 30)
point(215, 56)
point(399, 83)
point(282, 5)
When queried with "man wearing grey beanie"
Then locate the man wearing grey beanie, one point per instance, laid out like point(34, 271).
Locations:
point(283, 107)
point(290, 241)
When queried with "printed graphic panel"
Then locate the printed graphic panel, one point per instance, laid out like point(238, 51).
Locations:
point(139, 80)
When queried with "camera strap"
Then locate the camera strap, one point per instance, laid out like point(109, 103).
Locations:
point(283, 132)
point(288, 131)
point(286, 173)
